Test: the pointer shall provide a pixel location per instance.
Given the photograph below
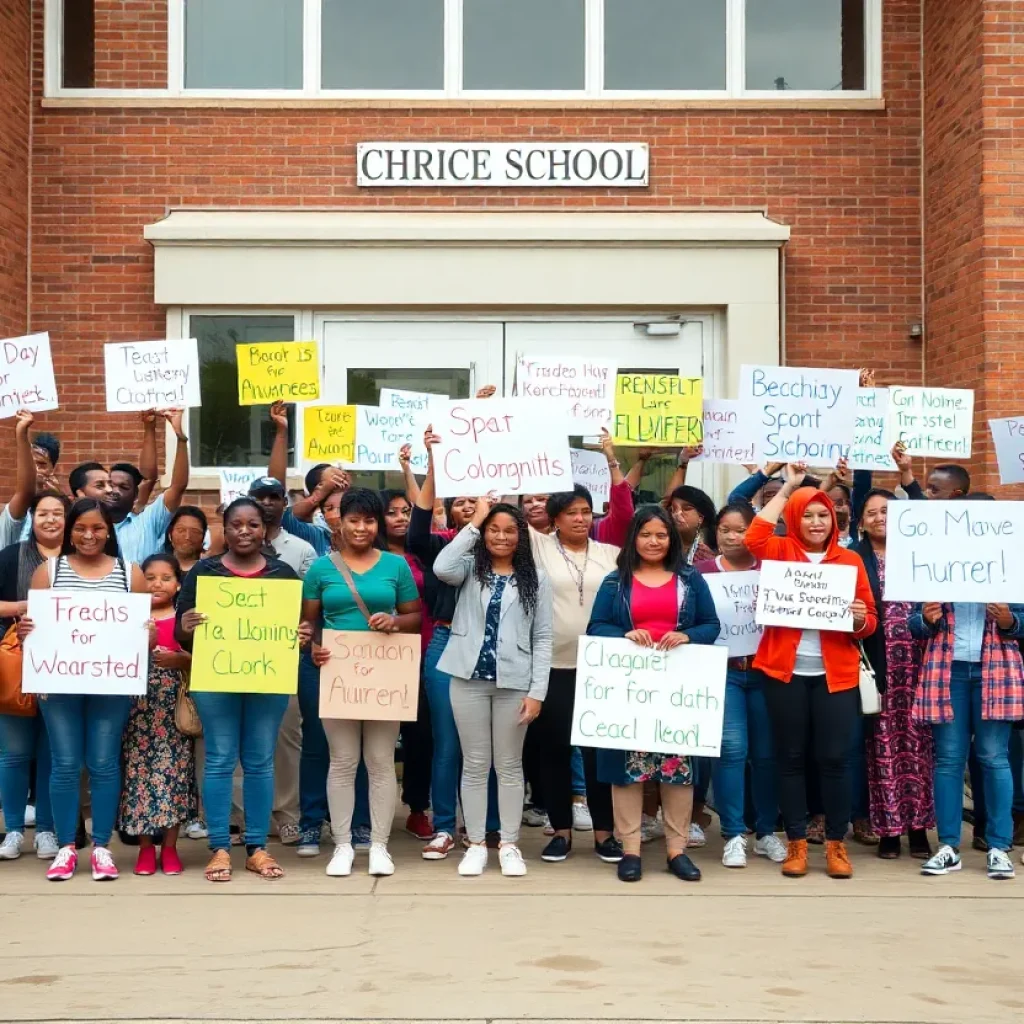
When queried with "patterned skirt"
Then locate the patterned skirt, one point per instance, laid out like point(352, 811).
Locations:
point(623, 768)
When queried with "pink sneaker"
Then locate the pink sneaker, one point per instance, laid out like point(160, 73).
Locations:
point(103, 867)
point(170, 862)
point(63, 866)
point(146, 863)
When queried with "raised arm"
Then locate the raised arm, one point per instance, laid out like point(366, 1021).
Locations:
point(454, 564)
point(412, 488)
point(614, 527)
point(760, 538)
point(25, 486)
point(180, 469)
point(639, 468)
point(277, 467)
point(148, 465)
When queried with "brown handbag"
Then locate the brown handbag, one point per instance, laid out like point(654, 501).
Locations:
point(12, 700)
point(186, 717)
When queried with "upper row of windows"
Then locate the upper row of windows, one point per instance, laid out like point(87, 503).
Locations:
point(466, 47)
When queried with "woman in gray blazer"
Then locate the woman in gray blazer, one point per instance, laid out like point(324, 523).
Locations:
point(499, 656)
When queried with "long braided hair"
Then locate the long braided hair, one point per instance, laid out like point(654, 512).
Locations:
point(523, 565)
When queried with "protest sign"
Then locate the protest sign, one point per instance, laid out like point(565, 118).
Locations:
point(499, 444)
point(278, 371)
point(871, 448)
point(419, 403)
point(735, 597)
point(371, 677)
point(152, 375)
point(932, 421)
point(380, 433)
point(329, 433)
point(806, 595)
point(658, 410)
point(249, 642)
point(725, 435)
point(26, 375)
point(955, 551)
point(235, 483)
point(591, 470)
point(1008, 437)
point(584, 389)
point(93, 642)
point(637, 698)
point(799, 415)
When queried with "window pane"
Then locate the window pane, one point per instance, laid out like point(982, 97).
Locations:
point(224, 433)
point(805, 44)
point(382, 44)
point(243, 44)
point(664, 44)
point(524, 44)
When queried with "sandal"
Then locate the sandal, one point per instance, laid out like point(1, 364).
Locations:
point(219, 868)
point(262, 864)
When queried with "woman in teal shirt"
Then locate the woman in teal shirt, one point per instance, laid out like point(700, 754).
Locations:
point(389, 604)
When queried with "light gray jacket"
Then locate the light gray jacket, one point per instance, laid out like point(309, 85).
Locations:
point(524, 640)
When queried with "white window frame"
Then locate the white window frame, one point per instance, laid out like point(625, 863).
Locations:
point(452, 93)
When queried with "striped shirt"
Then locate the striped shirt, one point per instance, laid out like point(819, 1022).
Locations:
point(64, 577)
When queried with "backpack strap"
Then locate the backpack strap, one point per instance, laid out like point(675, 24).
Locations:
point(346, 575)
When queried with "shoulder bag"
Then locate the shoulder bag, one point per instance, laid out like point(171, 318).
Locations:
point(346, 575)
point(870, 698)
point(186, 716)
point(12, 700)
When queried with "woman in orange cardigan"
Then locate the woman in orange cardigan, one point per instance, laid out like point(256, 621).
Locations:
point(810, 677)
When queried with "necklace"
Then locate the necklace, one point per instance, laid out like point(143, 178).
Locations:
point(575, 572)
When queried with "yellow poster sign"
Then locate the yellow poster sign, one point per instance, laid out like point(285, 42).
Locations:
point(278, 371)
point(249, 642)
point(371, 676)
point(329, 432)
point(658, 411)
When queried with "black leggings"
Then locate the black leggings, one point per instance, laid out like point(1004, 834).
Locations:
point(554, 729)
point(803, 713)
point(417, 754)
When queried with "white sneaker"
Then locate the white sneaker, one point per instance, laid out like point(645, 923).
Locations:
point(735, 853)
point(10, 848)
point(341, 861)
point(696, 839)
point(999, 864)
point(30, 815)
point(46, 845)
point(380, 860)
point(474, 860)
point(511, 861)
point(772, 847)
point(652, 827)
point(581, 820)
point(534, 818)
point(945, 860)
point(196, 830)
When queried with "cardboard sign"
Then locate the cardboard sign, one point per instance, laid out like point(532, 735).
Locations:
point(591, 470)
point(658, 410)
point(805, 595)
point(329, 433)
point(932, 421)
point(371, 677)
point(584, 389)
point(235, 483)
point(26, 375)
point(1008, 438)
point(800, 415)
point(499, 444)
point(955, 551)
point(871, 448)
point(152, 375)
point(725, 436)
point(735, 597)
point(87, 641)
point(419, 403)
point(249, 642)
point(380, 433)
point(636, 698)
point(278, 371)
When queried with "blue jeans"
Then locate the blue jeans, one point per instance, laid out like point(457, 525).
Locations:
point(21, 740)
point(952, 744)
point(746, 733)
point(85, 729)
point(239, 727)
point(579, 781)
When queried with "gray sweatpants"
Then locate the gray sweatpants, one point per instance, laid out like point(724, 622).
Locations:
point(488, 722)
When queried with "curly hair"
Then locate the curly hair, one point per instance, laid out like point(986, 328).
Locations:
point(523, 565)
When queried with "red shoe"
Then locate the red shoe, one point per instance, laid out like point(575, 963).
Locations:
point(146, 863)
point(418, 825)
point(170, 862)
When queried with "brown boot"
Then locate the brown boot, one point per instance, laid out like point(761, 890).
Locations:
point(837, 862)
point(795, 864)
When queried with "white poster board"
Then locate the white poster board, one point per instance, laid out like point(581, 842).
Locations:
point(235, 483)
point(955, 551)
point(871, 448)
point(636, 698)
point(152, 375)
point(799, 415)
point(591, 470)
point(380, 433)
point(584, 389)
point(726, 436)
point(805, 595)
point(735, 597)
point(935, 422)
point(499, 444)
point(87, 642)
point(1008, 438)
point(26, 375)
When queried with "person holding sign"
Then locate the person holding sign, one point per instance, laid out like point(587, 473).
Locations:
point(85, 729)
point(810, 676)
point(656, 600)
point(27, 475)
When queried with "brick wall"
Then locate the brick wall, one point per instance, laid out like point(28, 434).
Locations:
point(131, 44)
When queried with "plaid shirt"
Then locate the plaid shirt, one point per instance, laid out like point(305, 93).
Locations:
point(1002, 673)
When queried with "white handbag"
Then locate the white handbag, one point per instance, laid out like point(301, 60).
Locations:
point(870, 698)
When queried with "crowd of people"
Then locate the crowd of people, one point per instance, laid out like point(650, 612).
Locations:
point(499, 592)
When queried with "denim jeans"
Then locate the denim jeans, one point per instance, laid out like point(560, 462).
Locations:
point(579, 780)
point(746, 733)
point(239, 727)
point(952, 744)
point(85, 729)
point(21, 740)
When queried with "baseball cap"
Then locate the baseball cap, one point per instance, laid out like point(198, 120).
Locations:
point(267, 483)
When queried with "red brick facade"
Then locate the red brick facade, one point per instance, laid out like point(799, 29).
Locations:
point(131, 44)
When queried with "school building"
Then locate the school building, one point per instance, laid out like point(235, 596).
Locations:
point(429, 187)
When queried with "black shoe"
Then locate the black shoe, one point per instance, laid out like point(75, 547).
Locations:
point(630, 868)
point(889, 847)
point(920, 848)
point(610, 850)
point(979, 842)
point(682, 867)
point(558, 849)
